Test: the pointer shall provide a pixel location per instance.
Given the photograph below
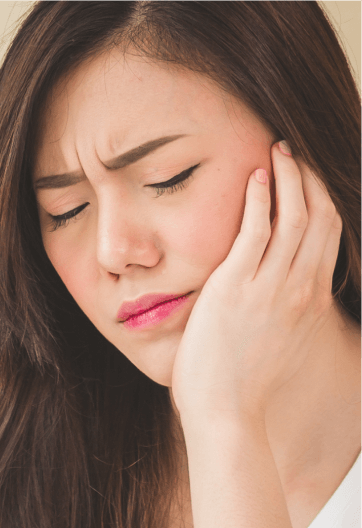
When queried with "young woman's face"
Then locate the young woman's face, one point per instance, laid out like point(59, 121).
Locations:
point(130, 239)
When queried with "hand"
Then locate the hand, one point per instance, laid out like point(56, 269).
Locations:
point(254, 322)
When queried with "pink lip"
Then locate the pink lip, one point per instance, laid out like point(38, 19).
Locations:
point(155, 315)
point(144, 303)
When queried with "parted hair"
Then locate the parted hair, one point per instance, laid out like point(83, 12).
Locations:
point(86, 439)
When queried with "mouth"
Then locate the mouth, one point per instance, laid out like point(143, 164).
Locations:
point(152, 308)
point(145, 303)
point(154, 314)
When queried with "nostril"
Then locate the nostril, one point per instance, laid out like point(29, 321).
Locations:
point(114, 276)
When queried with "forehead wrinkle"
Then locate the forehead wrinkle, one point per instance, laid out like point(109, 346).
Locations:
point(106, 66)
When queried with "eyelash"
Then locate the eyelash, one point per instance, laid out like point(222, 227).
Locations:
point(176, 183)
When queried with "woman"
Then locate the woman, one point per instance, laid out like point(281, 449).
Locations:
point(180, 287)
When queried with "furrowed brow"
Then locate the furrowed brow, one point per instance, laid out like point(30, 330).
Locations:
point(72, 178)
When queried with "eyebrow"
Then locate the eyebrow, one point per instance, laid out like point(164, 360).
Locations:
point(57, 181)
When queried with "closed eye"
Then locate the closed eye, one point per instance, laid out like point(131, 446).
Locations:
point(174, 184)
point(63, 220)
point(170, 186)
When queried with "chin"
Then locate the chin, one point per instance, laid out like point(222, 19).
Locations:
point(161, 374)
point(160, 368)
point(156, 359)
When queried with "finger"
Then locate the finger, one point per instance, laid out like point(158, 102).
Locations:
point(244, 257)
point(329, 258)
point(321, 214)
point(291, 218)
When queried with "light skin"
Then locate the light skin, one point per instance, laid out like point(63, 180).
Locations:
point(128, 242)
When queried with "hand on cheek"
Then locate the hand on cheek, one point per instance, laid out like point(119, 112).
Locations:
point(251, 327)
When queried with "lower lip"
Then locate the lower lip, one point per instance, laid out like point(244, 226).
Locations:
point(155, 315)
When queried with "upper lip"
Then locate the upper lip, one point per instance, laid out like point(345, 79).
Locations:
point(144, 303)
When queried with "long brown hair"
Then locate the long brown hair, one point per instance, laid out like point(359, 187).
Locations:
point(86, 439)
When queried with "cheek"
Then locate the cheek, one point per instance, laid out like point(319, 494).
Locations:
point(76, 267)
point(209, 225)
point(199, 235)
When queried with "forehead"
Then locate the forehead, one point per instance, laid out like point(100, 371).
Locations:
point(115, 102)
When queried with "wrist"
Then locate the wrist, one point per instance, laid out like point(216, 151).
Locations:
point(245, 407)
point(202, 422)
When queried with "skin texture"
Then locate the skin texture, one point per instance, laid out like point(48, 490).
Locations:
point(169, 244)
point(127, 242)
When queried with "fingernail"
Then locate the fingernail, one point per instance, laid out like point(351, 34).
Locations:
point(261, 175)
point(285, 148)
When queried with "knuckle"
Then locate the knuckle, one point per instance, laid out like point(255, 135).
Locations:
point(323, 302)
point(260, 233)
point(298, 220)
point(263, 197)
point(337, 222)
point(327, 210)
point(302, 298)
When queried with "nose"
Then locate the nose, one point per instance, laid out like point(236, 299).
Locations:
point(125, 239)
